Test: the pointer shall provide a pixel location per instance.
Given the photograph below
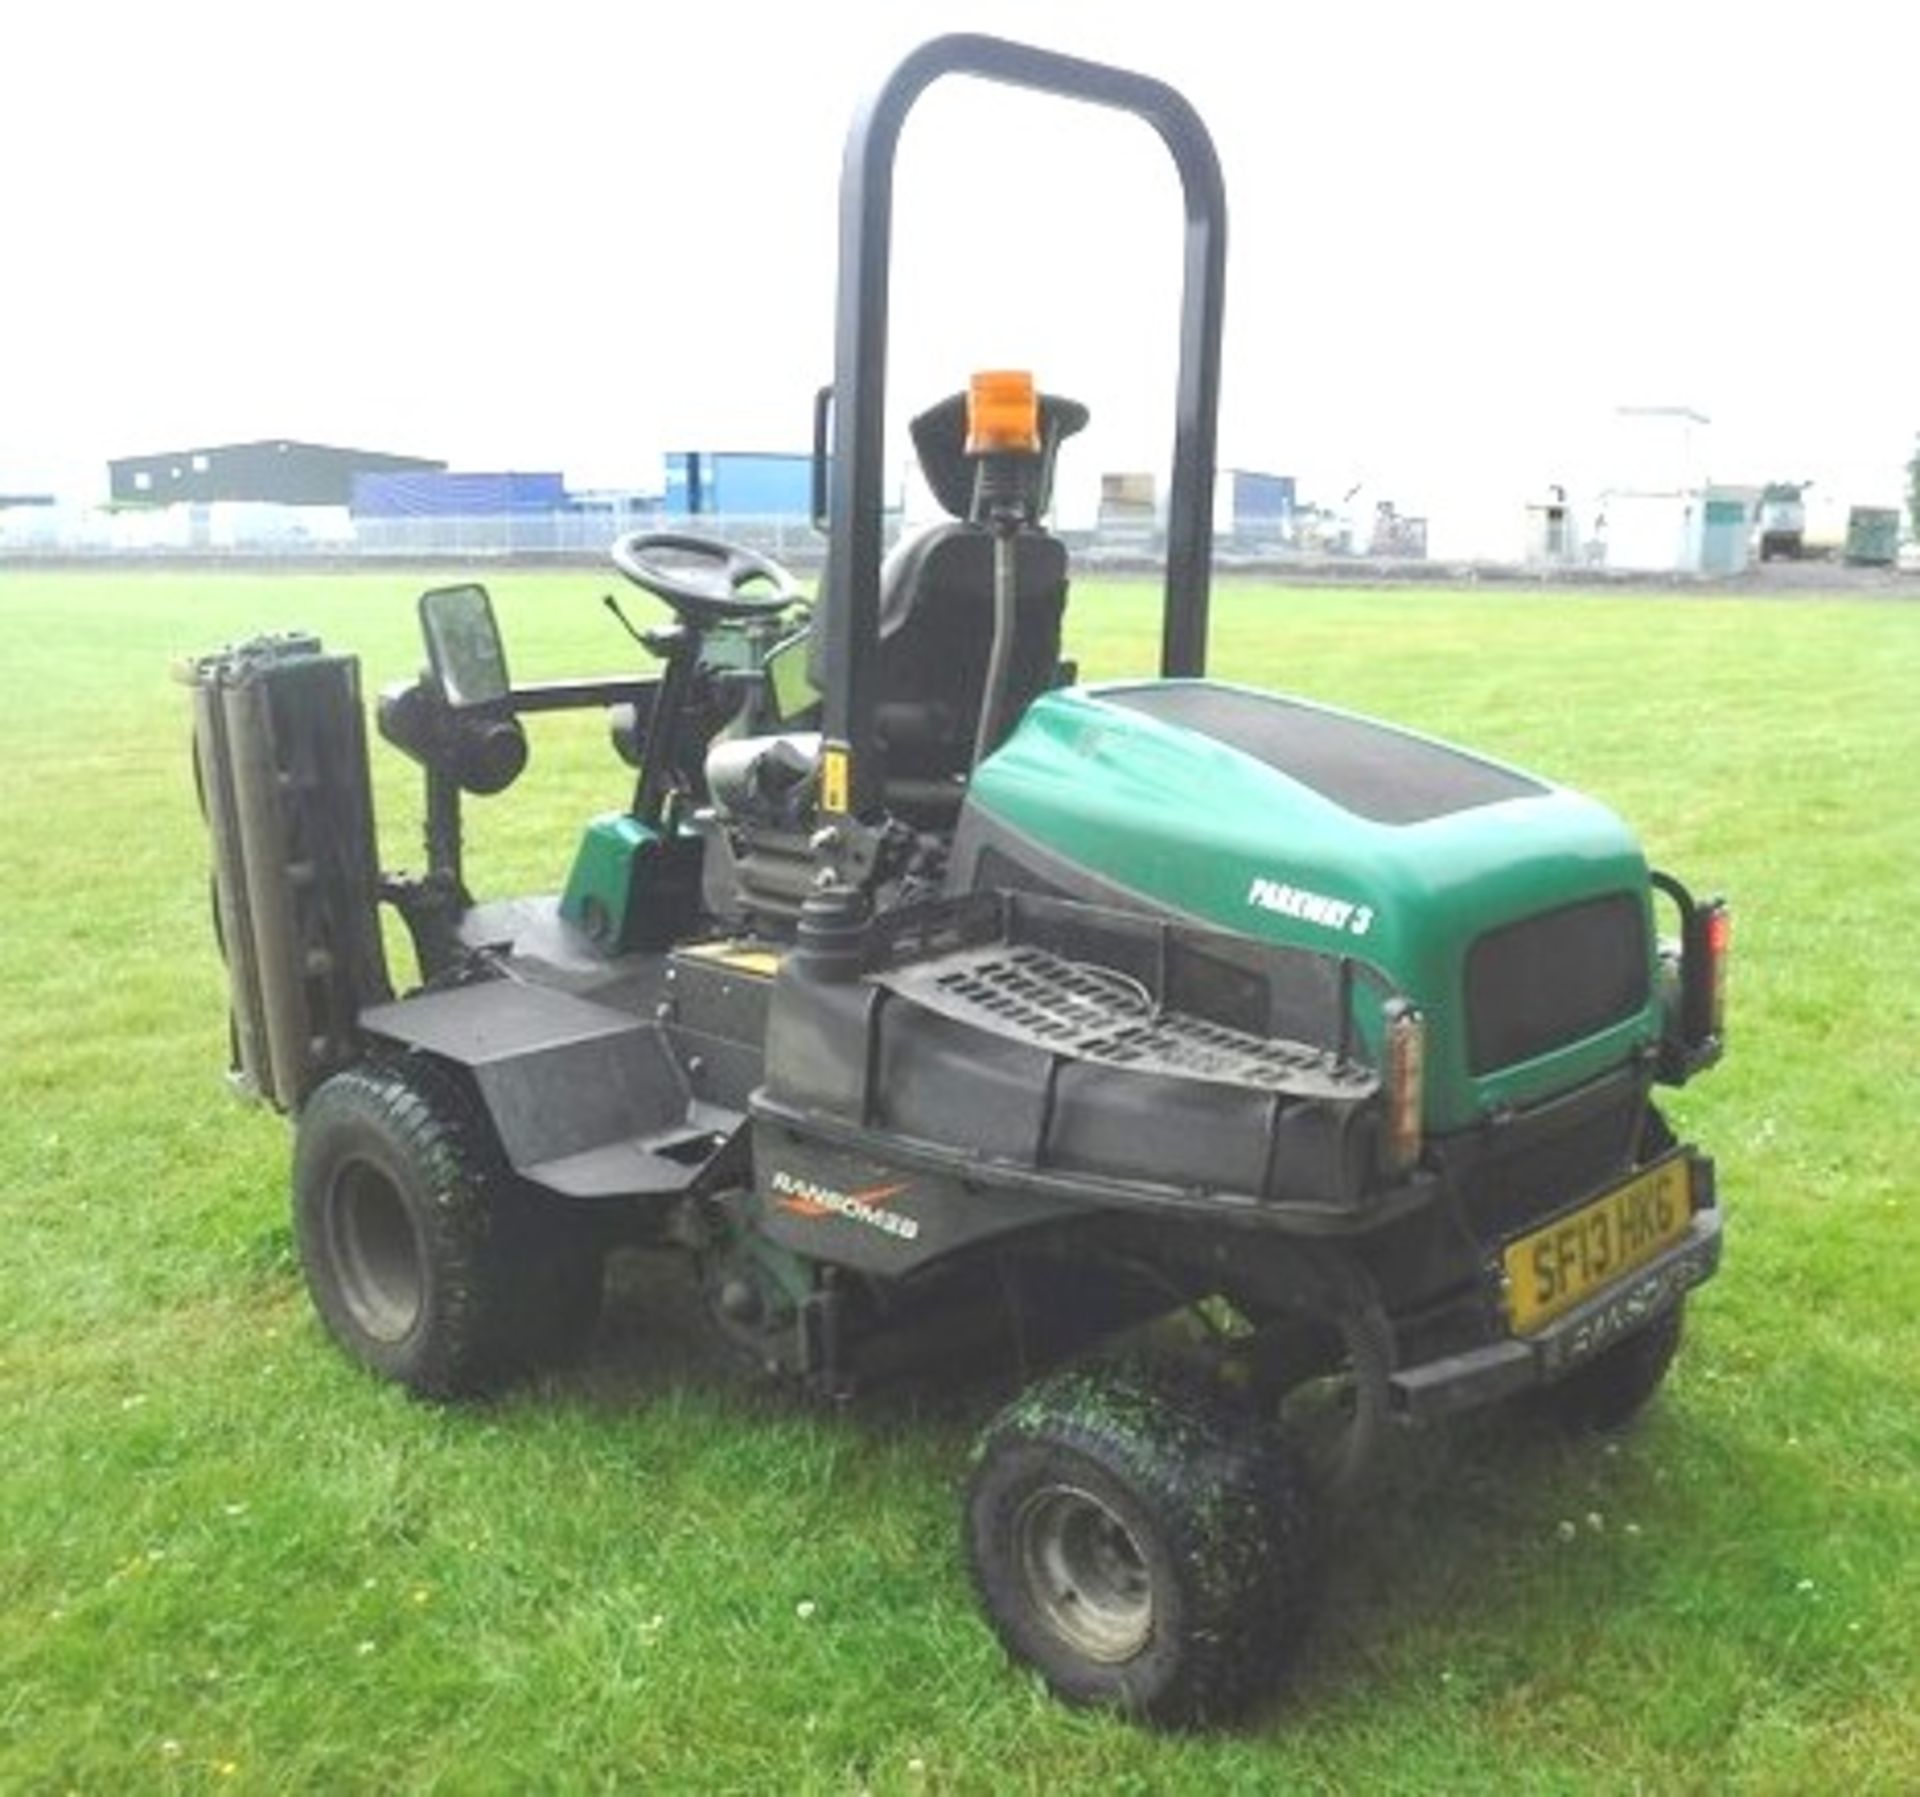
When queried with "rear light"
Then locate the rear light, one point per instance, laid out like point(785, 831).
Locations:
point(1694, 984)
point(1405, 1060)
point(1719, 956)
point(1708, 947)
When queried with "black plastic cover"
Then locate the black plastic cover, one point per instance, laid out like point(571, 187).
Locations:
point(1549, 980)
point(1373, 770)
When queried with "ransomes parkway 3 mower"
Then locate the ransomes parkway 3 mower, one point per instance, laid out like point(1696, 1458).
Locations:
point(1264, 1075)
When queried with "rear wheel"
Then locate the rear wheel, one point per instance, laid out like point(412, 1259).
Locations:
point(1609, 1390)
point(1140, 1542)
point(426, 1261)
point(1325, 1381)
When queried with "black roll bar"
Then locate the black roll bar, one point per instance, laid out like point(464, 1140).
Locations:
point(852, 604)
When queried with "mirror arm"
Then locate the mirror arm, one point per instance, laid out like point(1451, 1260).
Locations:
point(444, 837)
point(579, 695)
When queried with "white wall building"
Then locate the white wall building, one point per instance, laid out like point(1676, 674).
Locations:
point(1653, 500)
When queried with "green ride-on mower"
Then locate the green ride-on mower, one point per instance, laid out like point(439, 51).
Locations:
point(1271, 1075)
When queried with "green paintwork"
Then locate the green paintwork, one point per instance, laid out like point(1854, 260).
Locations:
point(786, 669)
point(1192, 824)
point(600, 898)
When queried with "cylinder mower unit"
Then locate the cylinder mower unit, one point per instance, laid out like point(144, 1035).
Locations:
point(279, 751)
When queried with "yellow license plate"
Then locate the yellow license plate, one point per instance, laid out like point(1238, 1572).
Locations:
point(1551, 1270)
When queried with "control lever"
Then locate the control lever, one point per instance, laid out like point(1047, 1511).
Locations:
point(657, 642)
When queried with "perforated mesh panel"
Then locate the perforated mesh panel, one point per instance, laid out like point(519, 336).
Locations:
point(1095, 1014)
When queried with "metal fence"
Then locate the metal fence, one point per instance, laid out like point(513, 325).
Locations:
point(579, 535)
point(571, 535)
point(257, 533)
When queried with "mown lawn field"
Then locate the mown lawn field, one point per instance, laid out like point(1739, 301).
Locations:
point(229, 1561)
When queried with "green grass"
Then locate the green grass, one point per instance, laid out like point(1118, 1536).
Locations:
point(229, 1561)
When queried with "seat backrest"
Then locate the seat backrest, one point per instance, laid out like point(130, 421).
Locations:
point(936, 636)
point(936, 617)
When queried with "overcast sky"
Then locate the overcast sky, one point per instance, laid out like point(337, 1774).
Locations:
point(573, 235)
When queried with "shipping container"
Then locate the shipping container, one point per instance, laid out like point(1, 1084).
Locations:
point(1253, 510)
point(1873, 536)
point(1726, 533)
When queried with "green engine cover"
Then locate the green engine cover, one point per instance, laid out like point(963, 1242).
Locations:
point(1304, 825)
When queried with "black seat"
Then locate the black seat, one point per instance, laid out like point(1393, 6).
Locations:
point(936, 634)
point(936, 620)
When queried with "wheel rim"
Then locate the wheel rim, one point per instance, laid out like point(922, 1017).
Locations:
point(1084, 1573)
point(377, 1253)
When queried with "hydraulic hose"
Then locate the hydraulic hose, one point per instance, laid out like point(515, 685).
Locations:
point(993, 699)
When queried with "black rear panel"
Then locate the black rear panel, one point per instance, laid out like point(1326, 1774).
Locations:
point(1515, 1188)
point(1545, 981)
point(1375, 772)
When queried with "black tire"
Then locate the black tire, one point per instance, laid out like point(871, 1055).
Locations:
point(425, 1260)
point(1324, 1382)
point(1141, 1543)
point(1609, 1390)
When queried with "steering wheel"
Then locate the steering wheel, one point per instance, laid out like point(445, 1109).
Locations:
point(704, 580)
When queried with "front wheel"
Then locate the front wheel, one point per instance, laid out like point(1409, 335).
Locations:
point(426, 1261)
point(1141, 1543)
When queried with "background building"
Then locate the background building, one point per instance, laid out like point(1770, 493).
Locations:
point(738, 484)
point(274, 472)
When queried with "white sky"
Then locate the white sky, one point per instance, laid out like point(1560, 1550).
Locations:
point(574, 235)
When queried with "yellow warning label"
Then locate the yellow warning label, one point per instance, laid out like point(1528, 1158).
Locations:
point(738, 957)
point(836, 778)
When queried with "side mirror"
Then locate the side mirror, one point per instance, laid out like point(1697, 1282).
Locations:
point(464, 650)
point(457, 718)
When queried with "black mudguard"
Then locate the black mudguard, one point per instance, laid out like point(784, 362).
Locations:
point(589, 1101)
